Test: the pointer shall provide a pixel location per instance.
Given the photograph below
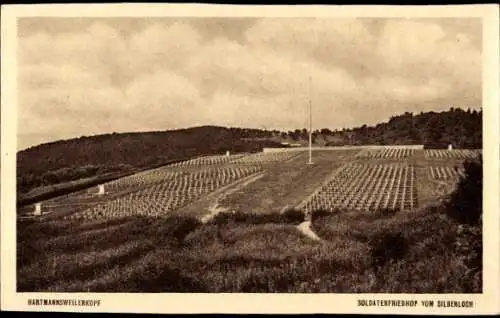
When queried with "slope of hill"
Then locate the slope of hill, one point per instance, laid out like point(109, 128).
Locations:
point(435, 249)
point(120, 153)
point(85, 157)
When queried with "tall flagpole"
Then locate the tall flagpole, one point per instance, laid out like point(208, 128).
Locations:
point(310, 123)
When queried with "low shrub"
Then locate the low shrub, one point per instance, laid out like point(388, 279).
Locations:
point(293, 215)
point(318, 214)
point(384, 213)
point(465, 204)
point(179, 227)
point(387, 247)
point(290, 216)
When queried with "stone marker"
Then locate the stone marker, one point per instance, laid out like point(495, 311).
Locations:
point(38, 209)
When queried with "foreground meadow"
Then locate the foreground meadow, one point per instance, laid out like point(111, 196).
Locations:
point(411, 252)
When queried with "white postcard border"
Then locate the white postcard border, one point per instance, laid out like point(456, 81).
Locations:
point(485, 303)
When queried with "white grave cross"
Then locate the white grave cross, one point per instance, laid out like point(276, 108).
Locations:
point(38, 209)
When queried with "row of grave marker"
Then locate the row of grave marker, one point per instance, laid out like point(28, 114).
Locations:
point(38, 206)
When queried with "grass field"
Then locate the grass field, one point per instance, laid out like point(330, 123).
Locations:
point(286, 184)
point(251, 246)
point(160, 255)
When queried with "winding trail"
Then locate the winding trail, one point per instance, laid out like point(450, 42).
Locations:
point(215, 209)
point(305, 228)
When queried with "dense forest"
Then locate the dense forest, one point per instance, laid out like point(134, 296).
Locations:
point(462, 129)
point(87, 157)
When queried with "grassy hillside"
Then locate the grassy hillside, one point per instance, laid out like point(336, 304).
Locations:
point(436, 249)
point(86, 157)
point(246, 255)
point(91, 157)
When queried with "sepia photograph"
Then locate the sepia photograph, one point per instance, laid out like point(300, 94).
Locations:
point(249, 154)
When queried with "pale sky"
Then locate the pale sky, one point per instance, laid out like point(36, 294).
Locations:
point(91, 76)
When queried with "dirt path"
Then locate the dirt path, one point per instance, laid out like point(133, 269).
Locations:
point(207, 207)
point(215, 209)
point(305, 228)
